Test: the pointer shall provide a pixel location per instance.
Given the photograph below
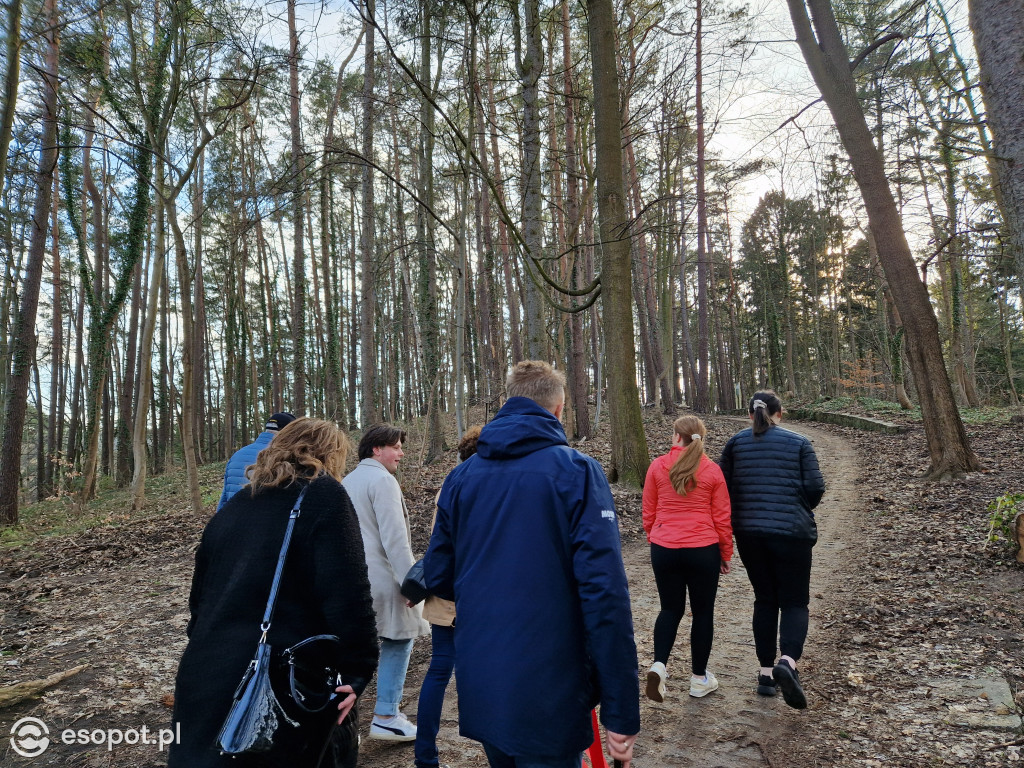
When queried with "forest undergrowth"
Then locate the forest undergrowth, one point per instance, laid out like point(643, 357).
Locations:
point(918, 606)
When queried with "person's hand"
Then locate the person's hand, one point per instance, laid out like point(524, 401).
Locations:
point(725, 567)
point(409, 604)
point(346, 703)
point(620, 747)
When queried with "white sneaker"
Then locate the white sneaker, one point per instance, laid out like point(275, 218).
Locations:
point(699, 687)
point(398, 728)
point(656, 682)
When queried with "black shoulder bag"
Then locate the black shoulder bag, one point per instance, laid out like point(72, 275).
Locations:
point(260, 717)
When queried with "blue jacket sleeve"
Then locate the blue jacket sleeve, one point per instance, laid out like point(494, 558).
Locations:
point(725, 461)
point(439, 561)
point(604, 598)
point(224, 495)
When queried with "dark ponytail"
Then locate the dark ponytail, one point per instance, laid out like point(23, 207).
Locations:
point(762, 414)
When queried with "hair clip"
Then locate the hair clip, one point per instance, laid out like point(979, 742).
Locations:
point(695, 437)
point(760, 404)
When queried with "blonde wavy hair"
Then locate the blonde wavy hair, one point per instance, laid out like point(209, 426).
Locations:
point(302, 450)
point(683, 473)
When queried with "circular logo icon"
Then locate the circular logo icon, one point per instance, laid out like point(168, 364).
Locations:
point(30, 737)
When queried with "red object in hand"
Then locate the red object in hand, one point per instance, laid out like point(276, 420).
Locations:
point(596, 750)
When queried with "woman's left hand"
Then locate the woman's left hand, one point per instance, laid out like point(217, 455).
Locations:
point(345, 704)
point(725, 567)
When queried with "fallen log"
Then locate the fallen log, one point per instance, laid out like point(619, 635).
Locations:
point(13, 694)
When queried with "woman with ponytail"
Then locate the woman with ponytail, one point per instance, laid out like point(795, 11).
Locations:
point(775, 483)
point(687, 520)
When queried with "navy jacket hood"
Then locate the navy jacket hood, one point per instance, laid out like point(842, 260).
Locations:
point(520, 428)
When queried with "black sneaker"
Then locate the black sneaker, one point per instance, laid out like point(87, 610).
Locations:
point(766, 686)
point(789, 682)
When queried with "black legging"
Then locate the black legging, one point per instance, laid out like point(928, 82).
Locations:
point(675, 571)
point(779, 569)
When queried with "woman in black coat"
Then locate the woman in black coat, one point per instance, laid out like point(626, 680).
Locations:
point(774, 484)
point(324, 590)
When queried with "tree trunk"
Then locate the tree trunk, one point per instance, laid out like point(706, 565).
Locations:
point(125, 390)
point(298, 329)
point(998, 27)
point(463, 279)
point(630, 456)
point(23, 349)
point(188, 373)
point(650, 324)
point(56, 353)
point(430, 324)
point(515, 337)
point(491, 321)
point(826, 56)
point(334, 406)
point(145, 358)
point(369, 412)
point(11, 79)
point(199, 341)
point(530, 64)
point(577, 350)
point(701, 396)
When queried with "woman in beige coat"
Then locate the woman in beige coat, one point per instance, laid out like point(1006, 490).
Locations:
point(384, 524)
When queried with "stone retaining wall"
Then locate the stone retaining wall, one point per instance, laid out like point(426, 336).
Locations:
point(847, 420)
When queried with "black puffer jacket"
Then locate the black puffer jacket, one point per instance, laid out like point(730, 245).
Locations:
point(774, 483)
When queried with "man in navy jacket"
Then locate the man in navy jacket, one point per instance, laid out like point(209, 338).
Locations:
point(244, 457)
point(527, 543)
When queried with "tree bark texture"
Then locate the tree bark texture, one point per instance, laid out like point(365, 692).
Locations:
point(11, 79)
point(577, 351)
point(139, 451)
point(998, 27)
point(702, 395)
point(369, 412)
point(530, 63)
point(298, 329)
point(430, 323)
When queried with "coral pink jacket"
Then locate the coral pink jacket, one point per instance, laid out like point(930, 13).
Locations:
point(700, 518)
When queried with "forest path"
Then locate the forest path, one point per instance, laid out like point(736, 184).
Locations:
point(732, 727)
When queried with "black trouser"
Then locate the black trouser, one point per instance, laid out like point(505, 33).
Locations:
point(779, 569)
point(675, 571)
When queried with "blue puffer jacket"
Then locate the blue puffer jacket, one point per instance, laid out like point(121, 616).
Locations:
point(234, 472)
point(774, 483)
point(527, 543)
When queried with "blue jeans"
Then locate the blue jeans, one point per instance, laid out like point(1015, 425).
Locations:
point(394, 663)
point(428, 714)
point(499, 759)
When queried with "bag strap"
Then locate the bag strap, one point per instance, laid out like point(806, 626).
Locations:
point(290, 655)
point(276, 583)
